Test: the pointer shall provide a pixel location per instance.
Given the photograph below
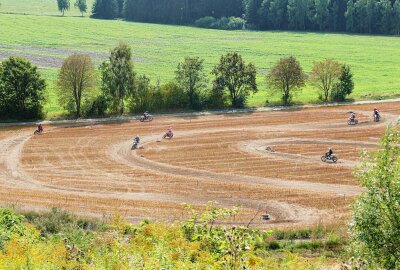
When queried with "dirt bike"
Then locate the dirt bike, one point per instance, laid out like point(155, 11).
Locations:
point(38, 132)
point(332, 158)
point(377, 117)
point(168, 135)
point(352, 121)
point(134, 146)
point(148, 118)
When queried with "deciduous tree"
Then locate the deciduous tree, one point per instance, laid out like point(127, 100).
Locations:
point(238, 78)
point(81, 4)
point(76, 80)
point(118, 77)
point(376, 215)
point(286, 77)
point(191, 77)
point(22, 89)
point(63, 5)
point(324, 75)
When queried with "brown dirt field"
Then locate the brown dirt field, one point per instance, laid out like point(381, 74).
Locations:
point(90, 169)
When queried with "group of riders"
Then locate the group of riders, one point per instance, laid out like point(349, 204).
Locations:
point(169, 133)
point(352, 120)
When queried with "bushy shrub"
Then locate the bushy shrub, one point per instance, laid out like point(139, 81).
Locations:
point(174, 97)
point(96, 107)
point(206, 22)
point(224, 23)
point(10, 223)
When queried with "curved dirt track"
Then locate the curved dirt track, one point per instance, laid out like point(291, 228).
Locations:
point(91, 170)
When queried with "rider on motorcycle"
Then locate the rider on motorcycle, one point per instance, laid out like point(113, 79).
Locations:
point(136, 139)
point(169, 133)
point(329, 153)
point(40, 128)
point(146, 115)
point(352, 117)
point(376, 112)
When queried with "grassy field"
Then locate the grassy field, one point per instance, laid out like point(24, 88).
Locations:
point(47, 40)
point(39, 7)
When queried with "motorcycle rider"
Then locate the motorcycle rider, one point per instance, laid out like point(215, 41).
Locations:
point(352, 117)
point(146, 115)
point(376, 113)
point(169, 133)
point(329, 153)
point(136, 141)
point(40, 128)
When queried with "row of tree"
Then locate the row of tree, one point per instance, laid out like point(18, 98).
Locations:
point(362, 16)
point(22, 89)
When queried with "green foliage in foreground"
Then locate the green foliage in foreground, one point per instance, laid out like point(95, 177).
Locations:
point(376, 218)
point(157, 50)
point(59, 240)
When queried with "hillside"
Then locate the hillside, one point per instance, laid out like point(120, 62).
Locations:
point(158, 49)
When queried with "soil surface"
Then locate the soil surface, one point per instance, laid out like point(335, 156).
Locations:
point(266, 162)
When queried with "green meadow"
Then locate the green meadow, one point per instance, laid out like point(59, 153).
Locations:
point(47, 40)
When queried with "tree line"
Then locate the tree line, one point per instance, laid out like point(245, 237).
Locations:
point(115, 87)
point(354, 16)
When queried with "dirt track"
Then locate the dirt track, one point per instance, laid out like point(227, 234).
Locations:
point(92, 171)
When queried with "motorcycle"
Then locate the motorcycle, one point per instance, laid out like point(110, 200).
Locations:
point(38, 132)
point(168, 135)
point(352, 121)
point(135, 144)
point(148, 118)
point(332, 158)
point(377, 117)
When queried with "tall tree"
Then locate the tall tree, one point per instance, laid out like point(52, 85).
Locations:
point(142, 99)
point(81, 4)
point(76, 80)
point(105, 9)
point(118, 77)
point(350, 15)
point(344, 86)
point(396, 17)
point(63, 5)
point(286, 77)
point(297, 14)
point(252, 8)
point(322, 14)
point(278, 13)
point(367, 14)
point(22, 89)
point(191, 77)
point(238, 78)
point(386, 16)
point(376, 216)
point(324, 75)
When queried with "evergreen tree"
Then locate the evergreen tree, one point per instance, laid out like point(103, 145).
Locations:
point(396, 17)
point(252, 8)
point(345, 85)
point(321, 14)
point(350, 17)
point(386, 16)
point(297, 14)
point(105, 9)
point(278, 12)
